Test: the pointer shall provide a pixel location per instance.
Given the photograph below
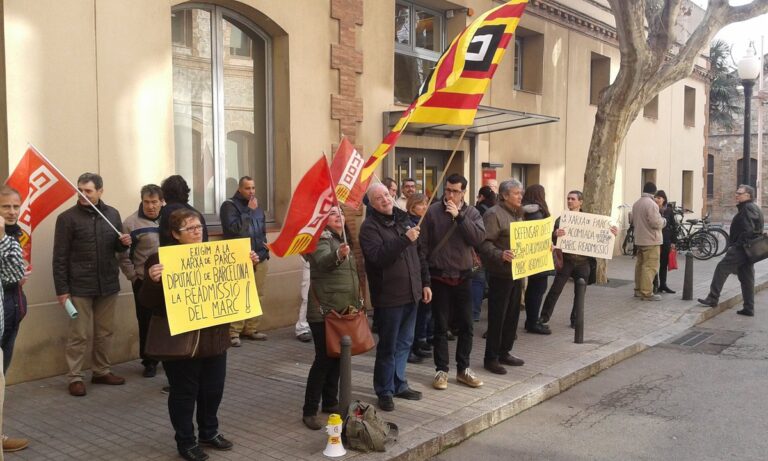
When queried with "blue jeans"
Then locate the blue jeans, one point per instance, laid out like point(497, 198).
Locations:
point(424, 328)
point(478, 291)
point(396, 325)
point(13, 299)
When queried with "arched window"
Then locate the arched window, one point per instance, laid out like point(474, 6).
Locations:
point(222, 105)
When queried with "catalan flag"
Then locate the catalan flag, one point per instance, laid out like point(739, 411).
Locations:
point(456, 86)
point(308, 212)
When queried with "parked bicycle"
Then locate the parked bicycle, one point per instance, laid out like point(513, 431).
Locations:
point(628, 244)
point(688, 227)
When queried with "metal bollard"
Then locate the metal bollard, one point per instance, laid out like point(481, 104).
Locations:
point(578, 306)
point(688, 281)
point(345, 375)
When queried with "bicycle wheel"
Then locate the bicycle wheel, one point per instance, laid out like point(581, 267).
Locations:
point(722, 238)
point(702, 245)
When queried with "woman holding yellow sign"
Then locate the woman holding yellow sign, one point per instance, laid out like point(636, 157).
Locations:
point(334, 285)
point(196, 376)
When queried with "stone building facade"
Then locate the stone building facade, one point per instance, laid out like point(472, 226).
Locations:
point(137, 90)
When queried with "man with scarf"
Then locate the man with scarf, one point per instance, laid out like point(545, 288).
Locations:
point(13, 276)
point(242, 217)
point(143, 227)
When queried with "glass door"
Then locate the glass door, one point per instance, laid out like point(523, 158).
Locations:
point(423, 165)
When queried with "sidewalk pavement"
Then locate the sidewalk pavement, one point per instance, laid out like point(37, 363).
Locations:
point(261, 410)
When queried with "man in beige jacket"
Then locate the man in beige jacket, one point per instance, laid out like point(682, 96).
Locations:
point(648, 223)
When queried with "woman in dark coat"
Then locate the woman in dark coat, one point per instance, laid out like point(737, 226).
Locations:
point(333, 285)
point(669, 234)
point(535, 207)
point(197, 381)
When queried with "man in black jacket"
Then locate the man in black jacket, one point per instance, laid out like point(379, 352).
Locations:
point(85, 271)
point(451, 229)
point(747, 224)
point(241, 217)
point(398, 279)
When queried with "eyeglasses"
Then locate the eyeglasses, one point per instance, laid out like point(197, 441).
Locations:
point(190, 229)
point(740, 193)
point(453, 191)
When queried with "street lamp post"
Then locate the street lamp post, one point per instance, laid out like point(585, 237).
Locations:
point(749, 69)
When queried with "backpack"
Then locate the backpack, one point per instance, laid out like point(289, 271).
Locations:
point(365, 431)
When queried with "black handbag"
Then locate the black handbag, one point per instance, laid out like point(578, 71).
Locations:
point(756, 248)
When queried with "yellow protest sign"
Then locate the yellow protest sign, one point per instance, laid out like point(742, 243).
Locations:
point(207, 284)
point(531, 242)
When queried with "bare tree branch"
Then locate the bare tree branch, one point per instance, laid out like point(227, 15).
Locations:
point(662, 26)
point(744, 12)
point(630, 27)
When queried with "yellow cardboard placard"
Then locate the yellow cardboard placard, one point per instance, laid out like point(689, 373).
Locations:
point(531, 242)
point(207, 284)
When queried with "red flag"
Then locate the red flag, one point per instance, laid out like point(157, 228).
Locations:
point(307, 213)
point(42, 189)
point(345, 171)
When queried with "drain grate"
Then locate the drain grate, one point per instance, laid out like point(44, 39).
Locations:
point(704, 340)
point(693, 339)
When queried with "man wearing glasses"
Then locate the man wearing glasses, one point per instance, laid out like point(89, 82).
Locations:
point(451, 229)
point(747, 224)
point(85, 271)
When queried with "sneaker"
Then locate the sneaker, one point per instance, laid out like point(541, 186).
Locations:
point(14, 444)
point(256, 336)
point(109, 379)
point(468, 377)
point(494, 366)
point(149, 371)
point(218, 443)
point(413, 358)
point(651, 298)
point(441, 380)
point(312, 422)
point(409, 394)
point(193, 453)
point(386, 403)
point(709, 302)
point(511, 360)
point(235, 341)
point(304, 337)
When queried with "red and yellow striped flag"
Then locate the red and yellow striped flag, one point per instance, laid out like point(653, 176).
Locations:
point(453, 91)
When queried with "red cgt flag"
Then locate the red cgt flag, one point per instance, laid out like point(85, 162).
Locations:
point(42, 188)
point(345, 172)
point(308, 212)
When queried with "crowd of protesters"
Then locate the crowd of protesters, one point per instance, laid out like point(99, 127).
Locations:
point(429, 265)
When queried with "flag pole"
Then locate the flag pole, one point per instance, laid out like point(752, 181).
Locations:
point(445, 170)
point(74, 187)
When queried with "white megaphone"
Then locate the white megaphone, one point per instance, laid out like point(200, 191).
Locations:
point(334, 448)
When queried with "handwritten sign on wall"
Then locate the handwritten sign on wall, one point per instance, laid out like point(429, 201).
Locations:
point(207, 284)
point(531, 241)
point(586, 234)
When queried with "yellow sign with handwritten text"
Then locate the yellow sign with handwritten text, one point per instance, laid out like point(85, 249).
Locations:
point(207, 284)
point(531, 242)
